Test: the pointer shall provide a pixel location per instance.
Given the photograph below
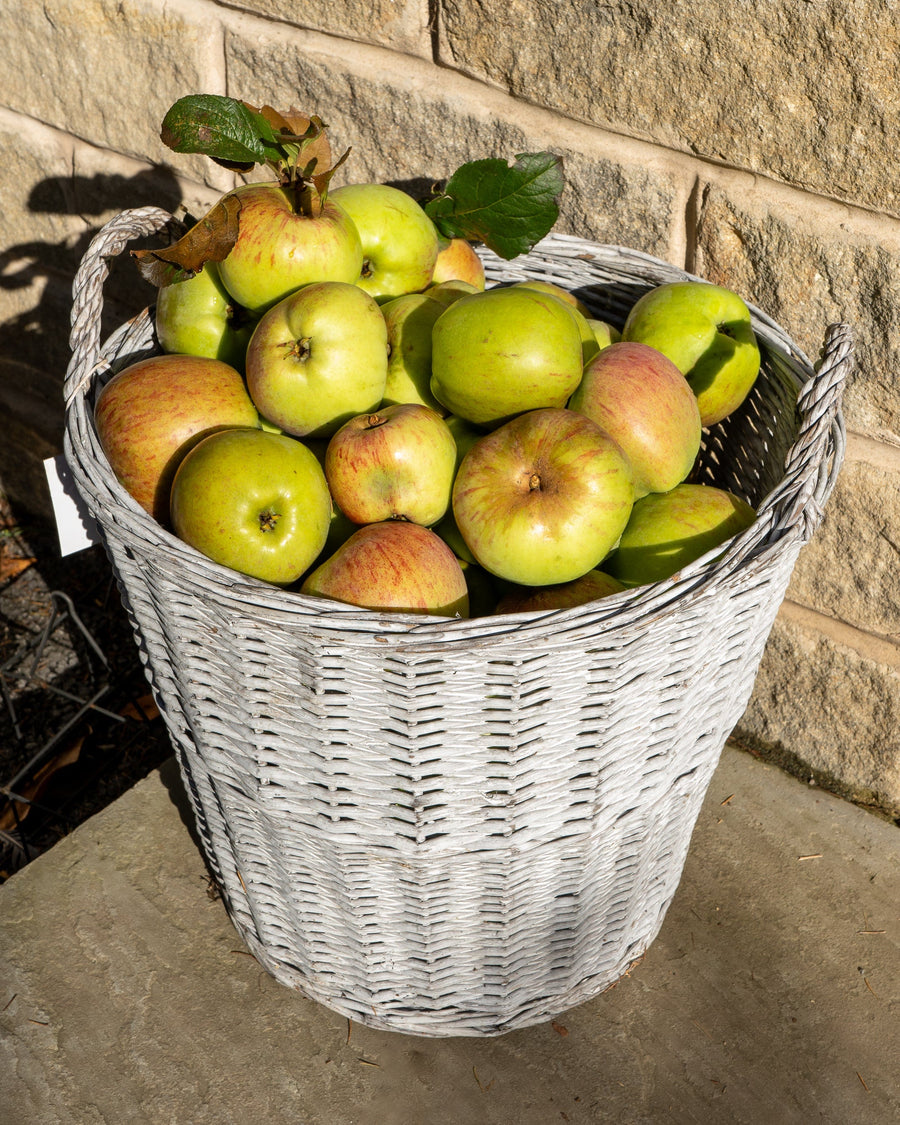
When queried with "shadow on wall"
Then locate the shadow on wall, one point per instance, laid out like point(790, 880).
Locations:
point(34, 340)
point(39, 335)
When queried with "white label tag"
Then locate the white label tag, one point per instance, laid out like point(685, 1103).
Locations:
point(75, 526)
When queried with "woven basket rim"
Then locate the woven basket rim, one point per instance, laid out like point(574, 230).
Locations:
point(711, 569)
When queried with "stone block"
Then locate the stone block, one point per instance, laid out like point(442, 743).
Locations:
point(405, 127)
point(55, 195)
point(809, 266)
point(851, 567)
point(107, 71)
point(402, 25)
point(33, 418)
point(828, 711)
point(800, 92)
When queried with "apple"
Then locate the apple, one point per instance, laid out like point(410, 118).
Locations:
point(199, 317)
point(449, 531)
point(643, 401)
point(317, 358)
point(395, 463)
point(554, 290)
point(482, 588)
point(399, 241)
point(465, 435)
point(394, 566)
point(604, 333)
point(565, 595)
point(410, 319)
point(279, 247)
point(449, 291)
point(706, 331)
point(457, 260)
point(668, 530)
point(503, 352)
point(589, 342)
point(544, 498)
point(254, 501)
point(150, 414)
point(340, 528)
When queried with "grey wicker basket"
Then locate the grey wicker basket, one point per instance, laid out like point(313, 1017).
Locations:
point(448, 827)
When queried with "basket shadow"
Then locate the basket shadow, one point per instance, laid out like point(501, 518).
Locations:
point(36, 279)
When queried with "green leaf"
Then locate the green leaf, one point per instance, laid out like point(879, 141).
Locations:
point(221, 128)
point(507, 207)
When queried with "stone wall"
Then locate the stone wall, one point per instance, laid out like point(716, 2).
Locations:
point(754, 145)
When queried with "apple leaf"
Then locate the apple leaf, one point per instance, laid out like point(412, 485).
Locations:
point(303, 137)
point(210, 239)
point(226, 130)
point(507, 207)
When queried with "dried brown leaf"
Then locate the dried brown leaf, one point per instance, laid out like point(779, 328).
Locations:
point(209, 240)
point(316, 156)
point(11, 566)
point(143, 709)
point(15, 811)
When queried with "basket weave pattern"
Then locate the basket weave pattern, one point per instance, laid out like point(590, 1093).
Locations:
point(460, 827)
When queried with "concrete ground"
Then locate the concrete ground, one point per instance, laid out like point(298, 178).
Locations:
point(772, 994)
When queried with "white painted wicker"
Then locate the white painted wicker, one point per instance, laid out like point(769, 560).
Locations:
point(460, 827)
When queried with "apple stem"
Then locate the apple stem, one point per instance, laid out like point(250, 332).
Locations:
point(534, 482)
point(299, 349)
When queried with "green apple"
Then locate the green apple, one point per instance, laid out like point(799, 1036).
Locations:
point(604, 333)
point(643, 401)
point(394, 463)
point(280, 247)
point(399, 241)
point(394, 566)
point(554, 290)
point(502, 352)
point(669, 530)
point(254, 501)
point(198, 316)
point(482, 588)
point(150, 414)
point(465, 435)
point(589, 342)
point(457, 260)
point(566, 595)
point(544, 498)
point(449, 291)
point(318, 358)
point(410, 319)
point(340, 528)
point(707, 332)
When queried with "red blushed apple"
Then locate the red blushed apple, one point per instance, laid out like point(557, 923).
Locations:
point(643, 401)
point(566, 595)
point(544, 498)
point(395, 463)
point(150, 414)
point(457, 260)
point(279, 247)
point(394, 566)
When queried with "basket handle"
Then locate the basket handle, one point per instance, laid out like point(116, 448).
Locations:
point(87, 289)
point(810, 468)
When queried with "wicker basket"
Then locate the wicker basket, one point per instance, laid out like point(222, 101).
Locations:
point(449, 827)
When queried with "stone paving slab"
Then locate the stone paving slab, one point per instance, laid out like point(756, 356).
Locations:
point(771, 995)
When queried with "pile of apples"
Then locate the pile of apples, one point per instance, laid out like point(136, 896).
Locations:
point(342, 407)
